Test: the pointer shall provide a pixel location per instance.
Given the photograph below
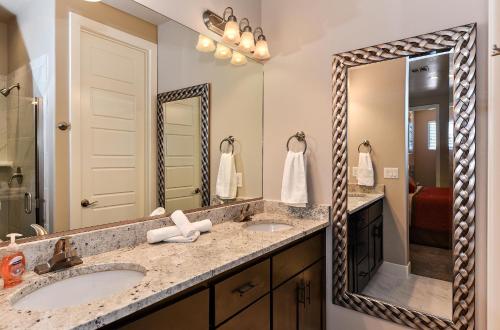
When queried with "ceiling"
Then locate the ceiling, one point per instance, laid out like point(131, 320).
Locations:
point(429, 75)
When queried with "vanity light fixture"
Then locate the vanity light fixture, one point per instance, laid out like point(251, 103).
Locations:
point(238, 59)
point(261, 48)
point(205, 44)
point(222, 52)
point(254, 45)
point(231, 30)
point(247, 42)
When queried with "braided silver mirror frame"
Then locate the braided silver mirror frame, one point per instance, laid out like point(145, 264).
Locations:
point(203, 91)
point(462, 42)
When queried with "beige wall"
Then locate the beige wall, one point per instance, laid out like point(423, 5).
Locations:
point(376, 111)
point(104, 14)
point(302, 36)
point(235, 100)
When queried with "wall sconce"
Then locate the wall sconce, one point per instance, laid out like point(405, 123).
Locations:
point(231, 30)
point(255, 45)
point(247, 42)
point(205, 44)
point(222, 52)
point(238, 59)
point(261, 48)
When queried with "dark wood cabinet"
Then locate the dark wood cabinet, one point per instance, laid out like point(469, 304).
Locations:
point(283, 290)
point(365, 250)
point(298, 303)
point(178, 316)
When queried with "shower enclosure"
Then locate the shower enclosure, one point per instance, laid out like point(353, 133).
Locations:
point(19, 179)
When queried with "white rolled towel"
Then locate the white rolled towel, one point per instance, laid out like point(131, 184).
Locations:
point(182, 222)
point(182, 239)
point(163, 234)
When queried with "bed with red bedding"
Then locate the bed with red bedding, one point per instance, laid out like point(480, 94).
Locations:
point(431, 217)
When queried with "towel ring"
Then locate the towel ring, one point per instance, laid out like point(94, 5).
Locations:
point(230, 141)
point(301, 137)
point(365, 143)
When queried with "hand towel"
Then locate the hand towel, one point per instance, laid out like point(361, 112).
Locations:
point(157, 211)
point(162, 234)
point(226, 178)
point(294, 184)
point(365, 170)
point(182, 222)
point(182, 239)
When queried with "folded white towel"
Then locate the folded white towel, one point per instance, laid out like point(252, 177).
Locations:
point(157, 211)
point(162, 234)
point(365, 170)
point(226, 186)
point(294, 185)
point(182, 239)
point(182, 222)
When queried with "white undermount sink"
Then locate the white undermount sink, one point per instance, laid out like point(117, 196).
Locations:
point(269, 227)
point(80, 289)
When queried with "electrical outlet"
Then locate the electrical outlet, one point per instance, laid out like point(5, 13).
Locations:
point(239, 179)
point(354, 171)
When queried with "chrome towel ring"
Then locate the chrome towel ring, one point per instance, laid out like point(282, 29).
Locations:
point(365, 143)
point(301, 137)
point(230, 141)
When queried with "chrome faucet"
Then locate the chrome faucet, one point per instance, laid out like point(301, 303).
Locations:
point(64, 257)
point(18, 175)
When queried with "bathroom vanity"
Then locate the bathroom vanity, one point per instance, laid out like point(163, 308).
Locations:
point(365, 237)
point(284, 288)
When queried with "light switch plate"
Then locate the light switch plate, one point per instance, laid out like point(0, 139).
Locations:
point(391, 173)
point(239, 179)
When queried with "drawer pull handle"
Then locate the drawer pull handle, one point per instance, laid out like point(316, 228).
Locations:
point(308, 292)
point(363, 274)
point(244, 288)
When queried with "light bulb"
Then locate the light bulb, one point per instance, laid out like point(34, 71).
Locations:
point(205, 44)
point(238, 59)
point(247, 42)
point(222, 52)
point(231, 32)
point(261, 50)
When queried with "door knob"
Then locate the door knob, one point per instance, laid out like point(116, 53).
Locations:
point(496, 51)
point(196, 191)
point(87, 203)
point(63, 126)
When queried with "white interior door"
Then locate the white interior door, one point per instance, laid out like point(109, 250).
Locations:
point(113, 102)
point(183, 155)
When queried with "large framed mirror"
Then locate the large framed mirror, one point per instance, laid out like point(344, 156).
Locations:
point(126, 123)
point(404, 179)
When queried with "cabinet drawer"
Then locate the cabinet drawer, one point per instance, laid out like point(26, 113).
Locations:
point(375, 210)
point(295, 259)
point(359, 219)
point(178, 316)
point(254, 317)
point(240, 290)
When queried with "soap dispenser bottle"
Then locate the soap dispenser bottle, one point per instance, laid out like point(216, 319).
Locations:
point(13, 263)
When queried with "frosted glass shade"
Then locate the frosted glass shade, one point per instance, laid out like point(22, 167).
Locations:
point(231, 33)
point(205, 44)
point(238, 59)
point(222, 52)
point(261, 50)
point(247, 42)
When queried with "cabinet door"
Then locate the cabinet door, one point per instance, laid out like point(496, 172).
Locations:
point(178, 316)
point(254, 317)
point(286, 304)
point(313, 306)
point(376, 245)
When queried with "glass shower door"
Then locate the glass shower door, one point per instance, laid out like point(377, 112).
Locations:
point(18, 163)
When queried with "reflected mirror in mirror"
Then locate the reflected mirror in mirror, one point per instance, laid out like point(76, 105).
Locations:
point(93, 139)
point(400, 160)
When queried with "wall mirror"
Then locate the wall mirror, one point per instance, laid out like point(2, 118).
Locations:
point(404, 161)
point(133, 115)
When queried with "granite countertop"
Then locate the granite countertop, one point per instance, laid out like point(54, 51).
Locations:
point(357, 201)
point(169, 269)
